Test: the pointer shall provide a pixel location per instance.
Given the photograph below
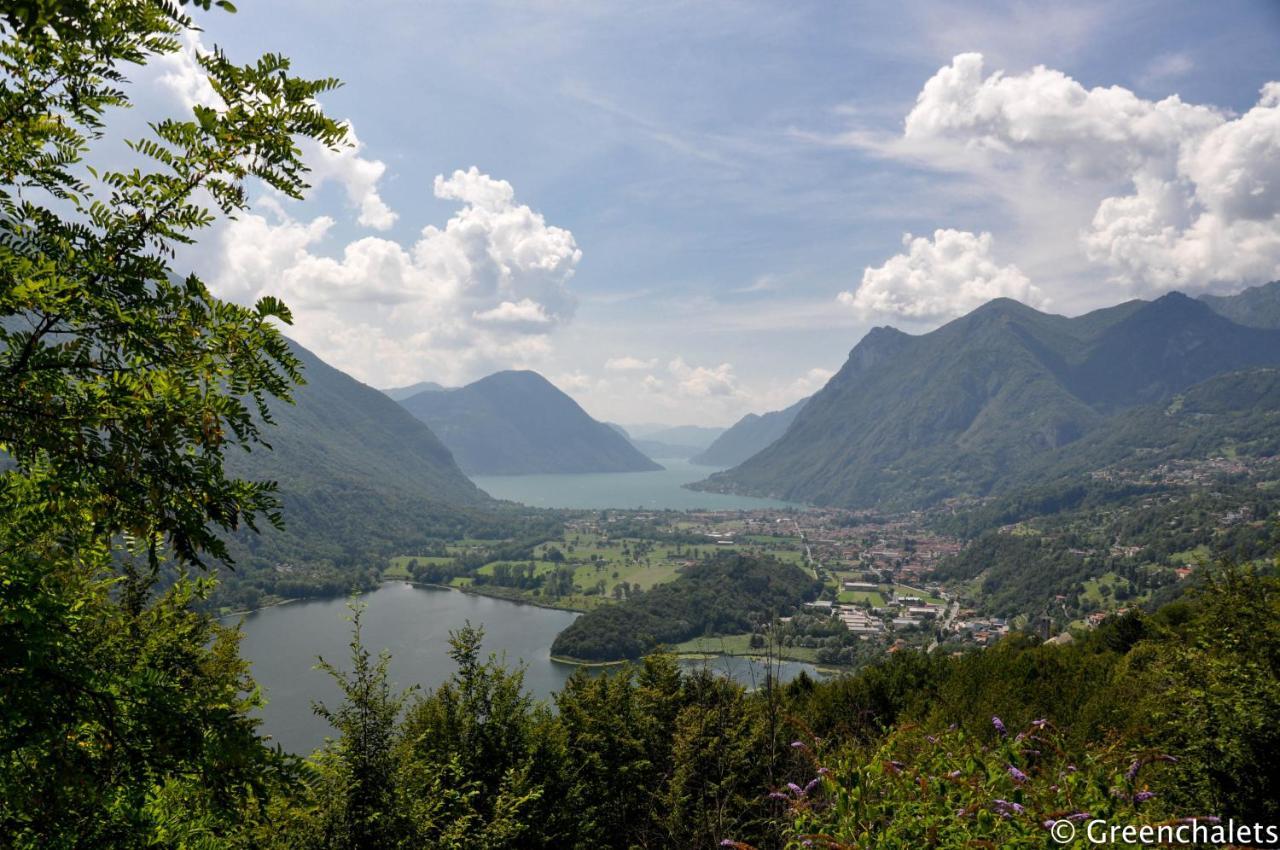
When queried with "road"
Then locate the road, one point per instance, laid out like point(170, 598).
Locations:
point(947, 619)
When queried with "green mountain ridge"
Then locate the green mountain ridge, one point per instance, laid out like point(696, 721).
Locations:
point(359, 478)
point(913, 420)
point(748, 436)
point(518, 423)
point(401, 393)
point(1256, 307)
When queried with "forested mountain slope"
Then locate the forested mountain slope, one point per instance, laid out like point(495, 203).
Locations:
point(749, 435)
point(911, 420)
point(359, 476)
point(518, 423)
point(1257, 306)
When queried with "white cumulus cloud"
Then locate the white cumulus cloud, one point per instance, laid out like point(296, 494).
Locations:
point(486, 290)
point(1184, 195)
point(938, 278)
point(629, 364)
point(703, 381)
point(182, 77)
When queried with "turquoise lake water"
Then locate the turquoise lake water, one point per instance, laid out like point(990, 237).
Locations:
point(645, 490)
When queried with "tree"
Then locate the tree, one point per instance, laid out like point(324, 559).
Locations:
point(359, 767)
point(500, 753)
point(123, 383)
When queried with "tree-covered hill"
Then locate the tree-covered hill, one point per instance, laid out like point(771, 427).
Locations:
point(727, 594)
point(912, 420)
point(1257, 306)
point(401, 393)
point(518, 423)
point(748, 436)
point(359, 479)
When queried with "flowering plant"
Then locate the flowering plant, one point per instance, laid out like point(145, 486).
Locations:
point(954, 789)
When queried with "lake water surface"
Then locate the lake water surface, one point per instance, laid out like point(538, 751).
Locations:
point(282, 644)
point(647, 490)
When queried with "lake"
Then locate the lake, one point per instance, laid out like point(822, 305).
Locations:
point(413, 623)
point(647, 490)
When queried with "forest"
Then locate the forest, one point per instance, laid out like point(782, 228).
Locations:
point(725, 594)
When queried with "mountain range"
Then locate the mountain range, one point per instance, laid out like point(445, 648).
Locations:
point(748, 436)
point(519, 423)
point(401, 393)
point(960, 411)
point(673, 441)
point(358, 477)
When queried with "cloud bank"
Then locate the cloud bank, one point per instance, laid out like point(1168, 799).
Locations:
point(1144, 195)
point(1188, 196)
point(482, 292)
point(939, 278)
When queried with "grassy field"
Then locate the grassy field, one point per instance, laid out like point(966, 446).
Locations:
point(904, 590)
point(739, 645)
point(856, 596)
point(597, 558)
point(1190, 557)
point(1093, 591)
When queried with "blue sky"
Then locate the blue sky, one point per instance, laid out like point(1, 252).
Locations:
point(707, 201)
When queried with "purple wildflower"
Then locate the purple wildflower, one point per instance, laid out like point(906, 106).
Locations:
point(778, 795)
point(955, 774)
point(1143, 796)
point(823, 771)
point(1040, 724)
point(1169, 759)
point(1071, 768)
point(1005, 808)
point(795, 789)
point(813, 783)
point(1132, 773)
point(1017, 775)
point(798, 745)
point(931, 739)
point(999, 724)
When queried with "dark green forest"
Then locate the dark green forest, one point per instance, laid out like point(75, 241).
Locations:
point(726, 594)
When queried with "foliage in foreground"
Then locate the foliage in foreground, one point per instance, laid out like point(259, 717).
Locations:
point(124, 714)
point(909, 752)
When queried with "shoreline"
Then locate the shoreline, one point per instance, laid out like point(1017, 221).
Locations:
point(469, 590)
point(270, 606)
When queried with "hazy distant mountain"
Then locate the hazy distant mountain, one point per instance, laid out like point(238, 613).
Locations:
point(748, 436)
point(401, 393)
point(1257, 306)
point(910, 420)
point(668, 441)
point(358, 474)
point(518, 423)
point(698, 436)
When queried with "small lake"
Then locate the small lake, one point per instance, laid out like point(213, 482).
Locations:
point(413, 623)
point(658, 490)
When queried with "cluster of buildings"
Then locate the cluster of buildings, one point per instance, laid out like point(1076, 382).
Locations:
point(1186, 472)
point(980, 630)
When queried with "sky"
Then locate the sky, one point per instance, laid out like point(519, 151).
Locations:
point(683, 212)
